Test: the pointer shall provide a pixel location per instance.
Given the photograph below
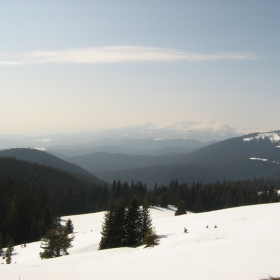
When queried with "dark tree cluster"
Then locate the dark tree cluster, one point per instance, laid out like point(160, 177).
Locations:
point(125, 226)
point(214, 196)
point(127, 192)
point(25, 212)
point(200, 197)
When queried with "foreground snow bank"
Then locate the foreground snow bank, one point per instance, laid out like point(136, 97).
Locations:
point(245, 245)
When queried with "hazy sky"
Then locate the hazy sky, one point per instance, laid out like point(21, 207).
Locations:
point(69, 66)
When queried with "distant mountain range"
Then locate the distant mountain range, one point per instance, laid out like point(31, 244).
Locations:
point(252, 156)
point(158, 160)
point(203, 132)
point(129, 147)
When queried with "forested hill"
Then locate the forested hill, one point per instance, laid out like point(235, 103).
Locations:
point(43, 158)
point(31, 195)
point(67, 193)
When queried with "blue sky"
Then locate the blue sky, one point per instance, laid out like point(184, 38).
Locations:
point(68, 66)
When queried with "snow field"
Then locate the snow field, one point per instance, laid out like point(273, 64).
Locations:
point(245, 245)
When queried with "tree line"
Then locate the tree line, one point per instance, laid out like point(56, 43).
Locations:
point(200, 197)
point(215, 196)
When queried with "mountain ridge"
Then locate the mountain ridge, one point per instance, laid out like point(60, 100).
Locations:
point(231, 159)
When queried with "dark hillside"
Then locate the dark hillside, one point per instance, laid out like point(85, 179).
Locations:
point(162, 174)
point(247, 157)
point(236, 148)
point(98, 162)
point(65, 189)
point(43, 158)
point(31, 195)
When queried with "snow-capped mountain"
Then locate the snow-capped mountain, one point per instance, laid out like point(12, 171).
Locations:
point(201, 131)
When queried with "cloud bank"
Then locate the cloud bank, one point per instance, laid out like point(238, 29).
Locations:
point(115, 54)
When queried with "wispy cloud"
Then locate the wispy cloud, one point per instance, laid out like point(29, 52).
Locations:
point(115, 54)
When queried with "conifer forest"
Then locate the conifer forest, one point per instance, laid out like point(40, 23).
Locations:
point(32, 195)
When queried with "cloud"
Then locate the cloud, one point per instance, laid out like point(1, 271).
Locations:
point(115, 54)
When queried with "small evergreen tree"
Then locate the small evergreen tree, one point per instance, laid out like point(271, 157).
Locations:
point(181, 210)
point(9, 251)
point(151, 238)
point(1, 245)
point(56, 242)
point(70, 226)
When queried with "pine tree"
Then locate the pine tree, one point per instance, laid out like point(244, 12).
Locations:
point(163, 200)
point(133, 223)
point(181, 210)
point(113, 227)
point(9, 251)
point(146, 218)
point(151, 238)
point(119, 224)
point(1, 245)
point(56, 242)
point(198, 206)
point(70, 226)
point(108, 228)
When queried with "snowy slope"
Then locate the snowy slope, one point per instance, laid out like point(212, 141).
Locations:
point(245, 245)
point(273, 137)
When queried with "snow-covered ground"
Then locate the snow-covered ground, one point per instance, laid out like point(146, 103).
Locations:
point(263, 159)
point(245, 245)
point(273, 137)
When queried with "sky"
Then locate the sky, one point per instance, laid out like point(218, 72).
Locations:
point(70, 66)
